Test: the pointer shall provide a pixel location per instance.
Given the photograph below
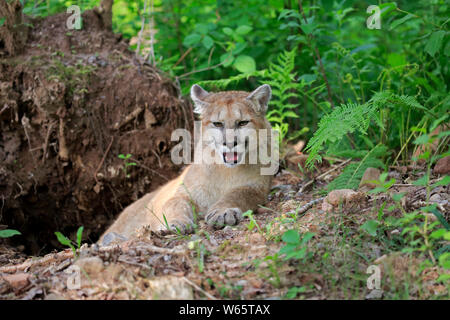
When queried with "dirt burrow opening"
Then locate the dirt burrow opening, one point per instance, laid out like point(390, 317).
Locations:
point(72, 101)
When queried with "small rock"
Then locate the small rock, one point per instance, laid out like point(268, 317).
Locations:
point(442, 166)
point(54, 296)
point(97, 188)
point(17, 280)
point(227, 229)
point(336, 196)
point(346, 196)
point(170, 288)
point(290, 205)
point(327, 207)
point(256, 238)
point(92, 265)
point(112, 272)
point(113, 238)
point(92, 59)
point(375, 294)
point(241, 283)
point(263, 210)
point(369, 175)
point(436, 198)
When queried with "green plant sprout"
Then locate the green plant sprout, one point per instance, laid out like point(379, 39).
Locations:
point(126, 164)
point(67, 242)
point(252, 224)
point(7, 233)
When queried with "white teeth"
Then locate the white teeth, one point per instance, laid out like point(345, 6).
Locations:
point(230, 156)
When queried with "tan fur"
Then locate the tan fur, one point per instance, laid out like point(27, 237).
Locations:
point(219, 193)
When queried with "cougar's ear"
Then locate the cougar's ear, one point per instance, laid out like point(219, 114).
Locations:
point(198, 94)
point(261, 96)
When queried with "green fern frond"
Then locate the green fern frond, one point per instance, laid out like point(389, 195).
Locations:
point(353, 117)
point(334, 126)
point(352, 174)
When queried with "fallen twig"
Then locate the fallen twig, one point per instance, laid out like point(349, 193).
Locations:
point(137, 264)
point(322, 175)
point(149, 169)
point(149, 247)
point(129, 117)
point(103, 159)
point(63, 151)
point(29, 263)
point(306, 206)
point(47, 137)
point(199, 289)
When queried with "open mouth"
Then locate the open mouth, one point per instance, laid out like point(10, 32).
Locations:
point(230, 157)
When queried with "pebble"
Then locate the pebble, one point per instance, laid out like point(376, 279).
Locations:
point(91, 265)
point(17, 280)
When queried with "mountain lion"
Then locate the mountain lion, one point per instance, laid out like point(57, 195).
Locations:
point(222, 190)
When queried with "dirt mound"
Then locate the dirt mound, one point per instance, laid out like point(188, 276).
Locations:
point(70, 103)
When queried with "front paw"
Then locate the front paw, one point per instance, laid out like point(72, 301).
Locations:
point(176, 226)
point(218, 218)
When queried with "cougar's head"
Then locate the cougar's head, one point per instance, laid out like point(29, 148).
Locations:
point(231, 123)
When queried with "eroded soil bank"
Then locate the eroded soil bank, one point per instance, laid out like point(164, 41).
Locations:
point(70, 103)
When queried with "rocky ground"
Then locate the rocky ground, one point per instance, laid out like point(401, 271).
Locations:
point(245, 261)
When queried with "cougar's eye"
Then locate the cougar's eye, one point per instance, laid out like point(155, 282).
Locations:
point(243, 123)
point(218, 124)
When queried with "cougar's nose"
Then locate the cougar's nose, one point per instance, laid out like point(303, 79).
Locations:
point(231, 145)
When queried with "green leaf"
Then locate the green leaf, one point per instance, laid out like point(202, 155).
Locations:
point(288, 248)
point(422, 181)
point(291, 236)
point(398, 22)
point(432, 208)
point(396, 59)
point(208, 42)
point(292, 292)
point(443, 278)
point(239, 48)
point(245, 64)
point(438, 234)
point(7, 233)
point(227, 59)
point(443, 182)
point(387, 7)
point(202, 28)
point(243, 30)
point(434, 42)
point(63, 239)
point(423, 139)
point(308, 28)
point(308, 236)
point(79, 235)
point(290, 114)
point(228, 31)
point(398, 196)
point(192, 40)
point(371, 227)
point(2, 21)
